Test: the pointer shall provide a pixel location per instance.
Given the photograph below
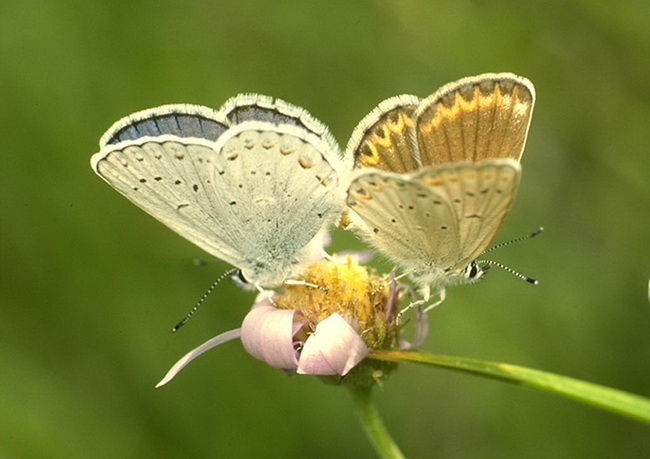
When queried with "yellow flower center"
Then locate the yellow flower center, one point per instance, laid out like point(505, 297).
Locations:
point(359, 295)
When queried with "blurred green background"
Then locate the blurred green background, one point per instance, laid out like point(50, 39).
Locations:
point(90, 284)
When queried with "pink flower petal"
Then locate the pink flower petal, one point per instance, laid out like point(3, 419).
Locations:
point(187, 358)
point(267, 334)
point(334, 348)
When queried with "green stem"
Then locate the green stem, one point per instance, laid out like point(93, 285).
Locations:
point(373, 425)
point(613, 400)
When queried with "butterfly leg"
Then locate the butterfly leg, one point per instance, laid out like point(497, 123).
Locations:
point(304, 283)
point(425, 292)
point(412, 305)
point(441, 294)
point(264, 294)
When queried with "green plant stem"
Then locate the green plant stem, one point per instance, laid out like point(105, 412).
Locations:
point(373, 424)
point(613, 400)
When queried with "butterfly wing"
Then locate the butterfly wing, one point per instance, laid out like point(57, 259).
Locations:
point(408, 221)
point(257, 107)
point(481, 196)
point(475, 119)
point(170, 178)
point(196, 121)
point(278, 191)
point(440, 218)
point(383, 138)
point(180, 120)
point(470, 120)
point(449, 172)
point(172, 163)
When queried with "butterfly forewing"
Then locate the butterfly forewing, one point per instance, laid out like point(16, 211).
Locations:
point(475, 119)
point(481, 197)
point(257, 107)
point(409, 222)
point(161, 177)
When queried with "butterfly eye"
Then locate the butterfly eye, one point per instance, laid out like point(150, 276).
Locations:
point(238, 276)
point(240, 280)
point(474, 272)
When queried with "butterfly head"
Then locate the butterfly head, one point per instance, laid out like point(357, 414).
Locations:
point(438, 278)
point(241, 280)
point(260, 275)
point(473, 273)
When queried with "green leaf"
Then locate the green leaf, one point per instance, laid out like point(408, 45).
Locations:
point(606, 398)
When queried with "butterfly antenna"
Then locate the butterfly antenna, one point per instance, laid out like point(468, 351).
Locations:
point(202, 299)
point(507, 269)
point(514, 241)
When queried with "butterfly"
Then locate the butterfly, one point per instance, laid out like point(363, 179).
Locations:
point(435, 178)
point(255, 183)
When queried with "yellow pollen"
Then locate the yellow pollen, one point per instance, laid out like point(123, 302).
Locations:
point(349, 289)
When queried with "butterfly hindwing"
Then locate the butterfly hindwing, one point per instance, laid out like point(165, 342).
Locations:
point(470, 120)
point(383, 138)
point(180, 120)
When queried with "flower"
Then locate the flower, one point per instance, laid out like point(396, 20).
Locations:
point(324, 323)
point(278, 337)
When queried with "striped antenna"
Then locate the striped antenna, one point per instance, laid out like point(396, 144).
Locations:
point(514, 241)
point(198, 304)
point(489, 263)
point(507, 269)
